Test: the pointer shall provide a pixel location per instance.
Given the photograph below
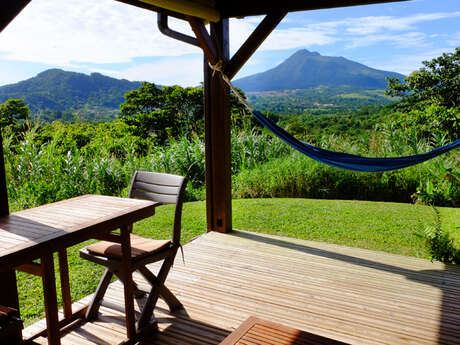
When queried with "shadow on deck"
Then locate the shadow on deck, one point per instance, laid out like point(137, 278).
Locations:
point(348, 294)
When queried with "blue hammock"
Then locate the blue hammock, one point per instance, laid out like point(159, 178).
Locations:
point(348, 161)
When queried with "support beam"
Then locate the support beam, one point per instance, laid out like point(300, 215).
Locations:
point(217, 135)
point(207, 44)
point(4, 210)
point(253, 42)
point(10, 9)
point(8, 287)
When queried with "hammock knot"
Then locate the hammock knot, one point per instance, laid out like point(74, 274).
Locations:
point(218, 67)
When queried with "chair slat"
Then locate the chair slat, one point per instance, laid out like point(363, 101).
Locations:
point(160, 179)
point(165, 199)
point(154, 188)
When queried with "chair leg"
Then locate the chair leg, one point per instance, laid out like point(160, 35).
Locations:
point(173, 303)
point(152, 299)
point(93, 308)
point(138, 293)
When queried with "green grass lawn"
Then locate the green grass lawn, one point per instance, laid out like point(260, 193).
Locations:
point(390, 227)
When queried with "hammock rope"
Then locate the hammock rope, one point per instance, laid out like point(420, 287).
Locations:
point(337, 159)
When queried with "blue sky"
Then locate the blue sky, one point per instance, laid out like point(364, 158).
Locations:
point(122, 41)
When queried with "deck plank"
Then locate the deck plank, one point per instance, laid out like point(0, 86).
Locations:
point(348, 294)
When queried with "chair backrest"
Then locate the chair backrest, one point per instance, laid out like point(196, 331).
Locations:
point(163, 188)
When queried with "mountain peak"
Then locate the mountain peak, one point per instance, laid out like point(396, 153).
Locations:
point(305, 69)
point(51, 71)
point(300, 56)
point(303, 53)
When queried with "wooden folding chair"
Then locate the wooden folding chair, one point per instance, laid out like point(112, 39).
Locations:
point(163, 188)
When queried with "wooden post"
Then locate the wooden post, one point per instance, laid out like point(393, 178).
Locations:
point(217, 111)
point(217, 137)
point(4, 210)
point(8, 287)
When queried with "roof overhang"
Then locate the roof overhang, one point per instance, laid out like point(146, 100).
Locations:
point(214, 10)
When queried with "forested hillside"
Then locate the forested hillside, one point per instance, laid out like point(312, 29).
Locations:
point(57, 94)
point(319, 100)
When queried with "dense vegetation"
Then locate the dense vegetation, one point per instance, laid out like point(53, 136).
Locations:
point(320, 100)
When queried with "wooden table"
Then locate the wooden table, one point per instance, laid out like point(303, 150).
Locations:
point(39, 232)
point(263, 332)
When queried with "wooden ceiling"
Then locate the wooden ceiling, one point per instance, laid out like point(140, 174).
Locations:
point(213, 10)
point(243, 8)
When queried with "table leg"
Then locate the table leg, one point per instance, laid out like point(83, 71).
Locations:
point(127, 274)
point(49, 292)
point(9, 296)
point(9, 289)
point(65, 283)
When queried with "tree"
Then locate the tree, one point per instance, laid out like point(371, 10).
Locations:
point(148, 115)
point(170, 111)
point(13, 113)
point(187, 104)
point(430, 98)
point(438, 83)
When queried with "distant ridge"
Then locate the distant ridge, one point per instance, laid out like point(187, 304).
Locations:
point(57, 90)
point(305, 69)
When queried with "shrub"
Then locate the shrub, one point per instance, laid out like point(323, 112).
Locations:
point(440, 244)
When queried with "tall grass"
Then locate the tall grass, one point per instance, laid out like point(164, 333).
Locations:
point(40, 171)
point(436, 182)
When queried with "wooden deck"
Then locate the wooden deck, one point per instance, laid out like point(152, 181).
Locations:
point(348, 294)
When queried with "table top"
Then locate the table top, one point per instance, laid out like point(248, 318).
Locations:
point(263, 332)
point(24, 235)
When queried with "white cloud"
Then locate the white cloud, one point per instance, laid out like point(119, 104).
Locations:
point(454, 41)
point(406, 64)
point(279, 39)
point(355, 32)
point(366, 31)
point(411, 39)
point(103, 31)
point(374, 24)
point(297, 37)
point(184, 71)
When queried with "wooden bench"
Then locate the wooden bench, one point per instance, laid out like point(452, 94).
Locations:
point(262, 332)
